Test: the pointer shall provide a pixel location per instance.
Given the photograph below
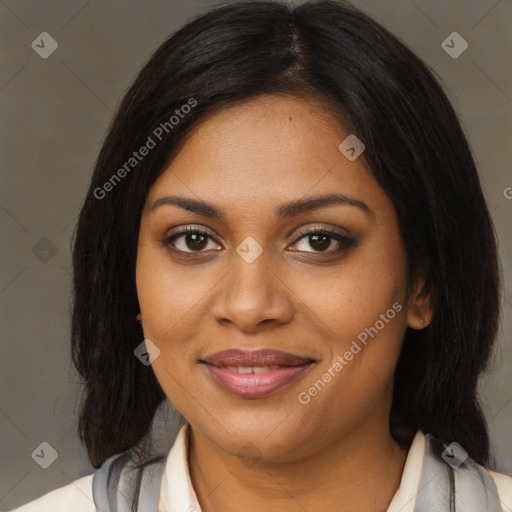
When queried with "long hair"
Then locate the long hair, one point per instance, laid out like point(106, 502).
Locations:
point(415, 148)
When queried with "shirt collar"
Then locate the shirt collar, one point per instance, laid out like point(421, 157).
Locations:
point(178, 495)
point(404, 499)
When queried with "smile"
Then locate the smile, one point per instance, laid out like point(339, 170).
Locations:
point(258, 373)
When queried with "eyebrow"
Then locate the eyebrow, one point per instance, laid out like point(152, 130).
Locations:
point(291, 209)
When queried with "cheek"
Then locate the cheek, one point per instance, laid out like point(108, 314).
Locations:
point(163, 304)
point(170, 299)
point(362, 308)
point(353, 296)
point(166, 293)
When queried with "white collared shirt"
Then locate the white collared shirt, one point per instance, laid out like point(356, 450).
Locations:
point(178, 495)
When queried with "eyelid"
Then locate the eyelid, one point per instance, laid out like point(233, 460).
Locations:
point(189, 228)
point(345, 241)
point(327, 230)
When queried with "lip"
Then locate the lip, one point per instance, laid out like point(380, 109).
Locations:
point(290, 367)
point(261, 357)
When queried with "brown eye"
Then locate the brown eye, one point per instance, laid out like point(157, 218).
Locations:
point(189, 239)
point(320, 240)
point(195, 241)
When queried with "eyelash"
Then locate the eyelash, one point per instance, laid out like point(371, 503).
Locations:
point(344, 241)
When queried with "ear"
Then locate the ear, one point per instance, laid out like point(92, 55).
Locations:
point(420, 308)
point(138, 317)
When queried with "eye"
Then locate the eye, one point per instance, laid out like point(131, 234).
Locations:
point(321, 239)
point(188, 237)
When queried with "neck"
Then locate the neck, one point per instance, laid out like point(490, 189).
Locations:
point(359, 472)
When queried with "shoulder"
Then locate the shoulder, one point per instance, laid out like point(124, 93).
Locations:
point(504, 487)
point(76, 496)
point(424, 462)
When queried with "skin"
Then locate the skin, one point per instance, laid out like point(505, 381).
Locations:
point(334, 453)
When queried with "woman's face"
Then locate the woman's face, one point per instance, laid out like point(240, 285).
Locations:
point(336, 303)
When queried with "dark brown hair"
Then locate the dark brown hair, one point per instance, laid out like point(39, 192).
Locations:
point(418, 154)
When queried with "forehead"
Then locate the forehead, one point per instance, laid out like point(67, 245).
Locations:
point(262, 151)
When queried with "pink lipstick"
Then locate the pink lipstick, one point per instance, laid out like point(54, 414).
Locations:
point(255, 373)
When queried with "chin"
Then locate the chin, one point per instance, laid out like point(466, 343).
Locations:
point(275, 438)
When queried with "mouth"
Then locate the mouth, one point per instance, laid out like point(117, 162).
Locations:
point(255, 374)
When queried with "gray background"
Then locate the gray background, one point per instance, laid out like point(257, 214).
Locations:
point(55, 113)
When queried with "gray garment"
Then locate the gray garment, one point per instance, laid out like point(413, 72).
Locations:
point(118, 486)
point(454, 486)
point(460, 485)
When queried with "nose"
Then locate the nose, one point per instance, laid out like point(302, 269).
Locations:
point(252, 297)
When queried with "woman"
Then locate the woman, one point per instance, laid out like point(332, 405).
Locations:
point(287, 205)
